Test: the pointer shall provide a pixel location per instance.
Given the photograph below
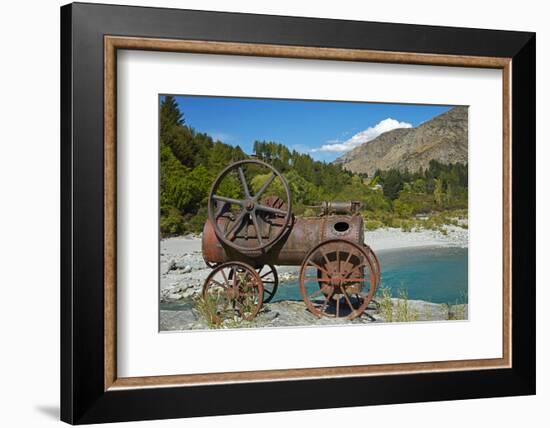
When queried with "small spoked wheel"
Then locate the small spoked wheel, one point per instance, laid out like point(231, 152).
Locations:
point(337, 279)
point(238, 208)
point(232, 289)
point(270, 279)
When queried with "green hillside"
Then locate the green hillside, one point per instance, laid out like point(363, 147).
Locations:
point(190, 161)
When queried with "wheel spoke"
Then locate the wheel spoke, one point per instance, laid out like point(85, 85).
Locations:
point(355, 268)
point(325, 257)
point(347, 299)
point(258, 230)
point(228, 200)
point(317, 279)
point(219, 211)
point(269, 284)
point(264, 187)
point(235, 226)
point(271, 210)
point(243, 182)
point(315, 293)
point(225, 278)
point(349, 257)
point(322, 269)
point(236, 278)
point(327, 298)
point(220, 284)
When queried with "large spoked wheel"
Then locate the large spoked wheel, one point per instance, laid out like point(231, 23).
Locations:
point(233, 289)
point(238, 208)
point(375, 265)
point(337, 279)
point(270, 279)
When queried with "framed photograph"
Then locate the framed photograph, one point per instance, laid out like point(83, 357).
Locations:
point(275, 213)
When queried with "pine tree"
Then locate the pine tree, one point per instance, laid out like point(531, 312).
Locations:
point(170, 114)
point(439, 193)
point(393, 183)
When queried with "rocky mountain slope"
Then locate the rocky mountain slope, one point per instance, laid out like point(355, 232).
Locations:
point(443, 138)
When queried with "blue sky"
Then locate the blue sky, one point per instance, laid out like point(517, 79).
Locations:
point(324, 129)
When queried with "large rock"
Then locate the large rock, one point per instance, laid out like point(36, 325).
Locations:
point(183, 267)
point(167, 266)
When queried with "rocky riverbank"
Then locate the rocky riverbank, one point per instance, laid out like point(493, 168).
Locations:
point(183, 272)
point(294, 314)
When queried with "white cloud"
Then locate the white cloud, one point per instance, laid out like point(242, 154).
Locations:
point(363, 136)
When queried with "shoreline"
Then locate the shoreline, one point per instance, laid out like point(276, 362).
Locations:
point(183, 270)
point(382, 239)
point(391, 238)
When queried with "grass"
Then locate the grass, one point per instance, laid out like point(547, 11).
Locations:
point(386, 304)
point(458, 311)
point(248, 303)
point(207, 307)
point(401, 311)
point(404, 313)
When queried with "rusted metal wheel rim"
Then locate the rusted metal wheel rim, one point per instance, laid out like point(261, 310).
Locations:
point(270, 280)
point(236, 289)
point(251, 207)
point(376, 266)
point(341, 293)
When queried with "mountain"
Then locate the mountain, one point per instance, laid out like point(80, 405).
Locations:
point(443, 138)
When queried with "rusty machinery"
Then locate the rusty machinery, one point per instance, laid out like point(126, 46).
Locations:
point(251, 228)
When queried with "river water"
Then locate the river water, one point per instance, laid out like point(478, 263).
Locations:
point(433, 274)
point(438, 275)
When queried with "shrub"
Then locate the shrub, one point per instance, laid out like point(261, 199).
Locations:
point(171, 221)
point(208, 309)
point(196, 223)
point(403, 209)
point(373, 224)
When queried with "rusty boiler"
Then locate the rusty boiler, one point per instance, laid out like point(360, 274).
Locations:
point(302, 235)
